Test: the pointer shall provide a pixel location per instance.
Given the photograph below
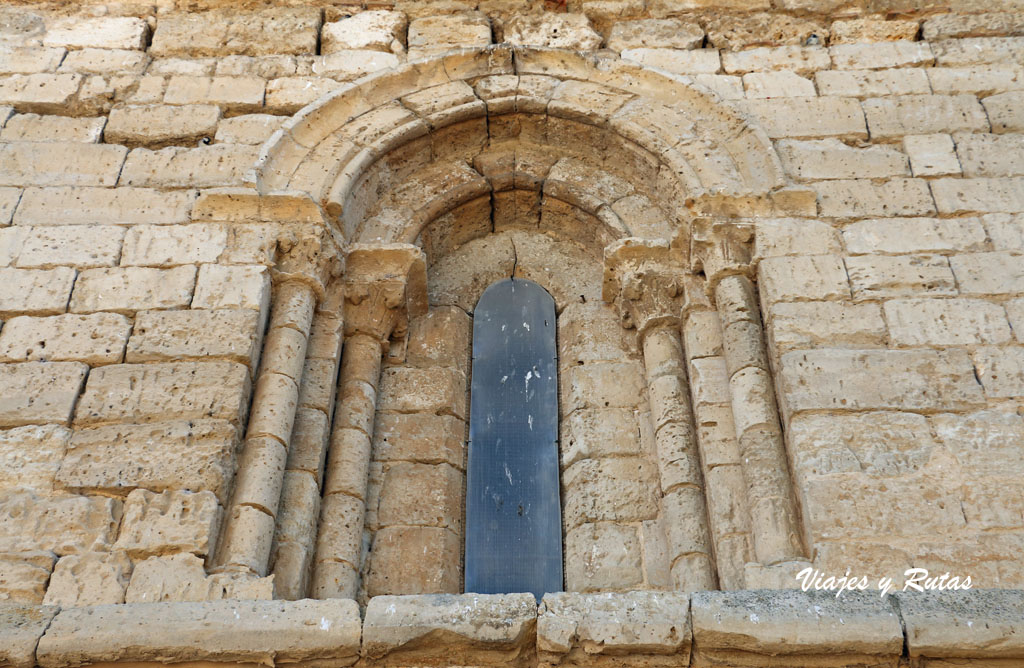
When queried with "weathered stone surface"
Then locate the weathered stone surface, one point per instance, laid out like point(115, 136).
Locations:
point(59, 164)
point(862, 197)
point(984, 195)
point(437, 34)
point(1000, 371)
point(115, 32)
point(946, 322)
point(204, 167)
point(64, 525)
point(803, 277)
point(826, 324)
point(129, 289)
point(796, 58)
point(33, 127)
point(602, 432)
point(990, 155)
point(378, 30)
point(988, 273)
point(170, 522)
point(90, 578)
point(696, 61)
point(931, 155)
point(172, 245)
point(40, 93)
point(195, 455)
point(947, 26)
point(182, 577)
point(21, 626)
point(39, 392)
point(344, 65)
point(775, 237)
point(32, 455)
point(602, 385)
point(742, 32)
point(230, 334)
point(224, 32)
point(799, 117)
point(872, 83)
point(440, 338)
point(76, 246)
point(421, 495)
point(832, 159)
point(879, 56)
point(617, 489)
point(872, 30)
point(558, 31)
point(232, 287)
point(1004, 111)
point(99, 206)
point(655, 33)
point(439, 390)
point(247, 129)
point(419, 437)
point(30, 60)
point(761, 85)
point(35, 291)
point(942, 624)
point(105, 61)
point(435, 570)
point(232, 94)
point(154, 126)
point(23, 578)
point(477, 628)
point(93, 339)
point(603, 556)
point(921, 114)
point(231, 631)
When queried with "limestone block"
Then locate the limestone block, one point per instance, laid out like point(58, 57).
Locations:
point(977, 51)
point(100, 206)
point(106, 32)
point(232, 94)
point(9, 198)
point(91, 578)
point(171, 245)
point(437, 390)
point(461, 277)
point(94, 339)
point(176, 167)
point(988, 273)
point(105, 61)
point(797, 117)
point(80, 247)
point(30, 59)
point(1005, 111)
point(63, 525)
point(872, 83)
point(250, 129)
point(946, 322)
point(942, 624)
point(727, 504)
point(872, 30)
point(129, 289)
point(946, 26)
point(477, 629)
point(1015, 311)
point(931, 155)
point(227, 31)
point(341, 65)
point(437, 34)
point(655, 33)
point(864, 197)
point(879, 276)
point(23, 578)
point(602, 432)
point(990, 154)
point(166, 391)
point(289, 94)
point(1000, 371)
point(580, 629)
point(803, 277)
point(232, 287)
point(40, 93)
point(982, 442)
point(378, 30)
point(591, 332)
point(832, 159)
point(923, 114)
point(21, 626)
point(178, 577)
point(419, 437)
point(169, 522)
point(557, 31)
point(434, 571)
point(763, 30)
point(910, 235)
point(795, 58)
point(602, 385)
point(978, 79)
point(702, 335)
point(880, 56)
point(32, 455)
point(188, 455)
point(33, 127)
point(39, 392)
point(11, 240)
point(230, 334)
point(985, 195)
point(774, 237)
point(709, 381)
point(696, 61)
point(59, 164)
point(858, 626)
point(603, 557)
point(265, 67)
point(440, 338)
point(619, 489)
point(155, 126)
point(760, 85)
point(826, 325)
point(848, 379)
point(35, 291)
point(416, 494)
point(297, 632)
point(726, 87)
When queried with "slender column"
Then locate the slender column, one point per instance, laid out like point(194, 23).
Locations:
point(249, 527)
point(756, 415)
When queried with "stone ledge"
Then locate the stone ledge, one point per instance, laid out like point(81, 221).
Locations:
point(324, 634)
point(21, 626)
point(973, 624)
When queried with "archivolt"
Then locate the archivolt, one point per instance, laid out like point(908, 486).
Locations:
point(633, 151)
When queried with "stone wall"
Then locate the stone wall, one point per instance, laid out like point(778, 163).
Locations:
point(785, 244)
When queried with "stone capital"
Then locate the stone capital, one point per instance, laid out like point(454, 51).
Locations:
point(722, 248)
point(385, 285)
point(645, 280)
point(308, 253)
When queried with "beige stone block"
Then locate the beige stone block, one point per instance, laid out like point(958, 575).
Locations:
point(687, 535)
point(946, 322)
point(709, 381)
point(33, 127)
point(603, 432)
point(881, 55)
point(1005, 230)
point(864, 197)
point(440, 338)
point(903, 276)
point(763, 30)
point(415, 494)
point(931, 155)
point(379, 30)
point(419, 437)
point(231, 31)
point(1005, 111)
point(194, 67)
point(9, 198)
point(30, 59)
point(308, 447)
point(872, 83)
point(621, 489)
point(103, 206)
point(129, 289)
point(77, 246)
point(977, 51)
point(795, 58)
point(171, 245)
point(23, 579)
point(39, 392)
point(60, 164)
point(106, 32)
point(784, 83)
point(40, 93)
point(253, 129)
point(984, 442)
point(169, 335)
point(832, 159)
point(241, 286)
point(167, 391)
point(727, 87)
point(63, 525)
point(436, 390)
point(848, 379)
point(803, 277)
point(340, 66)
point(169, 522)
point(436, 34)
point(826, 324)
point(1000, 371)
point(602, 385)
point(181, 578)
point(702, 335)
point(988, 273)
point(287, 95)
point(696, 61)
point(35, 291)
point(808, 117)
point(191, 455)
point(23, 625)
point(94, 339)
point(436, 569)
point(913, 235)
point(946, 26)
point(655, 33)
point(266, 67)
point(155, 126)
point(728, 513)
point(872, 30)
point(1015, 311)
point(990, 154)
point(923, 114)
point(603, 557)
point(976, 80)
point(983, 194)
point(774, 237)
point(32, 456)
point(91, 578)
point(552, 30)
point(105, 61)
point(176, 167)
point(11, 240)
point(591, 332)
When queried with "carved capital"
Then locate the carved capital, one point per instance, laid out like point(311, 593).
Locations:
point(385, 285)
point(308, 253)
point(644, 279)
point(722, 248)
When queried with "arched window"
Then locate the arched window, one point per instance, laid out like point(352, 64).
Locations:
point(513, 513)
